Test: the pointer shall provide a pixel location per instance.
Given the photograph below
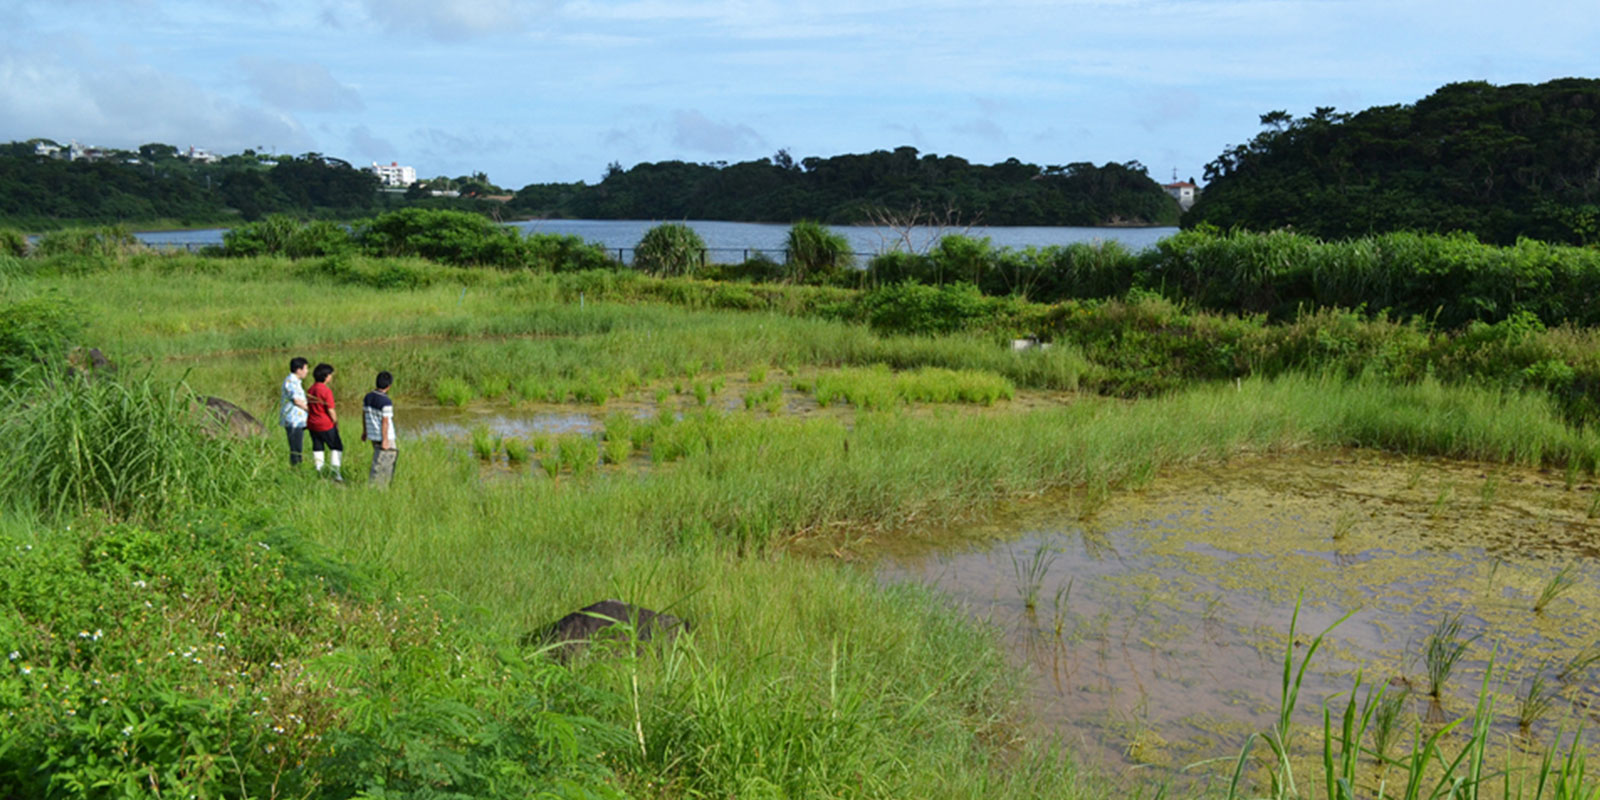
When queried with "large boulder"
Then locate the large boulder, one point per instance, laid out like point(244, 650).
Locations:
point(231, 418)
point(567, 636)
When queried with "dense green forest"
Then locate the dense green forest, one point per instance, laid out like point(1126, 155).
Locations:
point(158, 182)
point(856, 188)
point(1500, 162)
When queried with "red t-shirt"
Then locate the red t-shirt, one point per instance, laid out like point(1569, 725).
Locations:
point(319, 401)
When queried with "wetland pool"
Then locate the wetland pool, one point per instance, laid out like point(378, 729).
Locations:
point(1159, 622)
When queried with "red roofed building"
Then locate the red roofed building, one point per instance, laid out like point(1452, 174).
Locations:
point(1183, 192)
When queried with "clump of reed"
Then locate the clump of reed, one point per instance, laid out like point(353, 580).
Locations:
point(517, 451)
point(619, 435)
point(492, 386)
point(579, 454)
point(452, 391)
point(484, 443)
point(769, 397)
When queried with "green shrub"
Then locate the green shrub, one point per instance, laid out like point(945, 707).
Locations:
point(549, 252)
point(927, 310)
point(135, 654)
point(451, 237)
point(814, 249)
point(670, 249)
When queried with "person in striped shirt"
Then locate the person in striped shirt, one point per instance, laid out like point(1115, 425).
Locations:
point(377, 417)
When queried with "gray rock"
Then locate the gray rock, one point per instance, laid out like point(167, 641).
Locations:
point(567, 636)
point(231, 418)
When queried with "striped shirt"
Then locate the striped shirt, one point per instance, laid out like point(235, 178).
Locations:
point(291, 415)
point(375, 408)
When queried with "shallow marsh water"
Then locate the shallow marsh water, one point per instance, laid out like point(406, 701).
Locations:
point(1173, 601)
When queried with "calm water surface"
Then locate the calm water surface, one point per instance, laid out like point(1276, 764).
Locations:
point(730, 241)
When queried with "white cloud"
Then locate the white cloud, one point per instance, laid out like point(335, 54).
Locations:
point(298, 85)
point(122, 102)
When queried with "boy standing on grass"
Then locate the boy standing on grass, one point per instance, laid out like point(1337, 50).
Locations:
point(292, 409)
point(323, 421)
point(377, 416)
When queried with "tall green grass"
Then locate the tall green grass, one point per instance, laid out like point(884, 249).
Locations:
point(130, 447)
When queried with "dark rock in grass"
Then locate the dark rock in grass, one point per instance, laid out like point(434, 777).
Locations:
point(568, 635)
point(231, 418)
point(88, 361)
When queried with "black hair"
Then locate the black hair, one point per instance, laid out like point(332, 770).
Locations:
point(296, 363)
point(384, 379)
point(321, 372)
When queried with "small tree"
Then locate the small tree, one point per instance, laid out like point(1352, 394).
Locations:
point(671, 248)
point(814, 249)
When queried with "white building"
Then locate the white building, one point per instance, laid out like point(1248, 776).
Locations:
point(201, 155)
point(1181, 191)
point(393, 174)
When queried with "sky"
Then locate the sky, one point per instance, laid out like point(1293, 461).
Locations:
point(535, 91)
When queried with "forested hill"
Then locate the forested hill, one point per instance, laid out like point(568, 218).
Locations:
point(1499, 161)
point(858, 187)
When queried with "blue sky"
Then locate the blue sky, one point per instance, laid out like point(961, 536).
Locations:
point(553, 90)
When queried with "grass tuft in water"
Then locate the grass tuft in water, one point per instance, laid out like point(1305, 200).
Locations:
point(484, 443)
point(1559, 584)
point(1534, 701)
point(1444, 649)
point(1031, 574)
point(516, 451)
point(453, 392)
point(1387, 707)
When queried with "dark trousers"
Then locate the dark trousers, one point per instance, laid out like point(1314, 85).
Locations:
point(327, 439)
point(296, 439)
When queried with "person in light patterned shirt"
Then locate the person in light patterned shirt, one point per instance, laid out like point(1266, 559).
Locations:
point(292, 407)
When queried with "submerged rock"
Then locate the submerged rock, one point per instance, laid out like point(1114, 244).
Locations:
point(568, 635)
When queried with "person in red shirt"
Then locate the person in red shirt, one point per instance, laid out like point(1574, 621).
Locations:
point(323, 421)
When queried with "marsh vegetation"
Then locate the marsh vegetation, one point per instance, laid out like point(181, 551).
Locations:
point(745, 455)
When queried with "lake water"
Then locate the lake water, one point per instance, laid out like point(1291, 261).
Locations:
point(733, 241)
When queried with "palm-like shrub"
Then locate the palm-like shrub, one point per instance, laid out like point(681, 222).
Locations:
point(671, 248)
point(815, 249)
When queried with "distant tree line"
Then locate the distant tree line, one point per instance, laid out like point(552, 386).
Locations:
point(158, 182)
point(853, 188)
point(1500, 162)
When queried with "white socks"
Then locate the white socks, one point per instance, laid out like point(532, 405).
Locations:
point(316, 458)
point(333, 456)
